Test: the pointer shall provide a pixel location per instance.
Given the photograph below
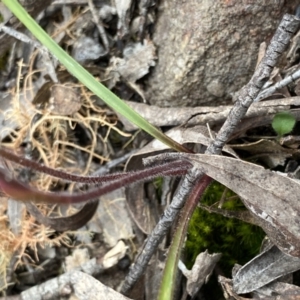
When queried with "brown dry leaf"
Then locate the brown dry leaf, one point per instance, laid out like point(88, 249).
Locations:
point(176, 116)
point(64, 100)
point(271, 198)
point(270, 152)
point(144, 212)
point(112, 218)
point(264, 268)
point(290, 141)
point(153, 277)
point(228, 289)
point(198, 134)
point(260, 120)
point(283, 290)
point(71, 222)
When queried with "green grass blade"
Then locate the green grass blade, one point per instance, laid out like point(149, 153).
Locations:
point(168, 283)
point(87, 79)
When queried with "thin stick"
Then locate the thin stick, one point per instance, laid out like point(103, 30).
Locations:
point(161, 228)
point(287, 28)
point(99, 25)
point(279, 85)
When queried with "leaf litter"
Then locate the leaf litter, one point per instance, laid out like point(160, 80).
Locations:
point(78, 138)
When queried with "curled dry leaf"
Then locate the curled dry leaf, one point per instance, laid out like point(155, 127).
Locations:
point(269, 196)
point(72, 222)
point(143, 211)
point(293, 52)
point(176, 116)
point(263, 269)
point(112, 257)
point(201, 271)
point(270, 152)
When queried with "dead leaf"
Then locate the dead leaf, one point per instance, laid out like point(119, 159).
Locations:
point(263, 269)
point(198, 134)
point(138, 58)
point(153, 276)
point(270, 152)
point(86, 49)
point(112, 218)
point(78, 258)
point(282, 290)
point(273, 199)
point(64, 100)
point(72, 222)
point(228, 289)
point(143, 211)
point(290, 141)
point(293, 52)
point(176, 116)
point(112, 257)
point(259, 120)
point(84, 286)
point(123, 11)
point(297, 88)
point(201, 271)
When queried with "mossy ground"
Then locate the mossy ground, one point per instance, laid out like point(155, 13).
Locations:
point(236, 240)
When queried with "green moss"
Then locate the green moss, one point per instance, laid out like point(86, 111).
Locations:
point(236, 240)
point(158, 184)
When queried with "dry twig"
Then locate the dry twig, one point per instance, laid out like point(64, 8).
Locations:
point(245, 98)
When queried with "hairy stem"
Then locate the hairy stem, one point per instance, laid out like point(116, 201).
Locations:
point(20, 191)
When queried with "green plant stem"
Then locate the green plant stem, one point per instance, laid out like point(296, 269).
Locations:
point(168, 283)
point(87, 79)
